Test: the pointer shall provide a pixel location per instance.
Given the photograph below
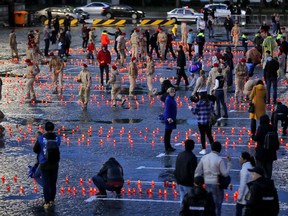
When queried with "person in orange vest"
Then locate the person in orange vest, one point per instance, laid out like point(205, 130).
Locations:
point(104, 38)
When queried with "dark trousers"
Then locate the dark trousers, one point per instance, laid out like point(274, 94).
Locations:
point(230, 78)
point(49, 178)
point(170, 48)
point(201, 47)
point(228, 35)
point(190, 50)
point(219, 94)
point(181, 73)
point(205, 130)
point(85, 42)
point(116, 50)
point(271, 81)
point(239, 209)
point(102, 69)
point(167, 138)
point(253, 126)
point(103, 186)
point(267, 166)
point(156, 50)
point(46, 49)
point(67, 47)
point(279, 117)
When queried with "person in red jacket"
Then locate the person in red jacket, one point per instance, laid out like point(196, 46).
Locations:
point(104, 59)
point(90, 49)
point(104, 38)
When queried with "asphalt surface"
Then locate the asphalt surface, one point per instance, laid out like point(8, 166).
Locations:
point(133, 135)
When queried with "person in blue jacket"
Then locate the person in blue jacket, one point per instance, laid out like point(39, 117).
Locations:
point(170, 113)
point(47, 146)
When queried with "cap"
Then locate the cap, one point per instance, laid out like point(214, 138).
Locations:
point(27, 60)
point(149, 55)
point(84, 65)
point(114, 67)
point(258, 170)
point(199, 180)
point(243, 60)
point(133, 59)
point(36, 30)
point(123, 33)
point(161, 79)
point(215, 65)
point(51, 54)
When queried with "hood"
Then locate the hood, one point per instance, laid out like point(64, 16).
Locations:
point(264, 119)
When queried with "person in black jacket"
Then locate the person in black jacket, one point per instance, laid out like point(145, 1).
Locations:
point(265, 157)
point(228, 25)
point(67, 23)
point(200, 40)
point(110, 177)
point(262, 197)
point(186, 164)
point(154, 45)
point(270, 76)
point(280, 113)
point(165, 85)
point(198, 202)
point(181, 63)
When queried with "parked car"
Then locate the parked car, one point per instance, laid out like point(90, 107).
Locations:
point(222, 10)
point(122, 11)
point(81, 13)
point(94, 8)
point(42, 15)
point(183, 14)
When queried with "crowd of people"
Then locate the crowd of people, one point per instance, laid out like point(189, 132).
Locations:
point(269, 52)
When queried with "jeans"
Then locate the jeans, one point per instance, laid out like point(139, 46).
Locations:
point(167, 138)
point(228, 35)
point(85, 42)
point(46, 49)
point(219, 94)
point(182, 191)
point(271, 81)
point(211, 32)
point(103, 186)
point(102, 69)
point(181, 73)
point(205, 130)
point(218, 196)
point(239, 209)
point(37, 176)
point(49, 178)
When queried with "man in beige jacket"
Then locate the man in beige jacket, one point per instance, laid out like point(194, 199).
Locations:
point(32, 71)
point(235, 32)
point(150, 69)
point(133, 74)
point(13, 44)
point(57, 64)
point(134, 43)
point(84, 77)
point(121, 47)
point(241, 75)
point(162, 41)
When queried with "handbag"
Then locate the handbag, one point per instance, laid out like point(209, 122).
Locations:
point(251, 108)
point(224, 181)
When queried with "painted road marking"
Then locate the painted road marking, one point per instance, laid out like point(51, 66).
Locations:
point(172, 168)
point(92, 198)
point(199, 156)
point(24, 114)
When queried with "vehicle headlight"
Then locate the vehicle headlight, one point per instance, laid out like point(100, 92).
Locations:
point(243, 12)
point(140, 12)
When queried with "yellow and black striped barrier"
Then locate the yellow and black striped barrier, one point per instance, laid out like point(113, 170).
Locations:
point(109, 22)
point(154, 22)
point(73, 22)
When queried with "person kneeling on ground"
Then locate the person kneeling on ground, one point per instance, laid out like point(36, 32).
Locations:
point(110, 177)
point(198, 201)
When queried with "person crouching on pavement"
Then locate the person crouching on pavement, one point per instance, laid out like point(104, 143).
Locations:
point(57, 64)
point(115, 81)
point(150, 69)
point(110, 177)
point(198, 201)
point(32, 71)
point(133, 74)
point(84, 77)
point(280, 113)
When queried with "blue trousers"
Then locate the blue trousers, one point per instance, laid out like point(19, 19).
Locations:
point(219, 94)
point(49, 178)
point(271, 81)
point(218, 196)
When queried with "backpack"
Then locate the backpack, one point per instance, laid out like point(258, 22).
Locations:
point(51, 150)
point(271, 141)
point(195, 67)
point(198, 204)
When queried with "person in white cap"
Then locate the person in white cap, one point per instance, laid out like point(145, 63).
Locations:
point(84, 77)
point(115, 81)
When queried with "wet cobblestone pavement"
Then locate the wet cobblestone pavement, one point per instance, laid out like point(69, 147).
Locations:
point(133, 135)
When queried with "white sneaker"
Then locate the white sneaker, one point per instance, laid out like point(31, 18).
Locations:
point(202, 152)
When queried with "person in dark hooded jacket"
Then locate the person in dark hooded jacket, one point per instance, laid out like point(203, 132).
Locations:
point(110, 177)
point(198, 202)
point(165, 85)
point(265, 157)
point(262, 198)
point(181, 63)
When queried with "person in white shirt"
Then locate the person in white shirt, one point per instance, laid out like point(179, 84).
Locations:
point(210, 167)
point(247, 161)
